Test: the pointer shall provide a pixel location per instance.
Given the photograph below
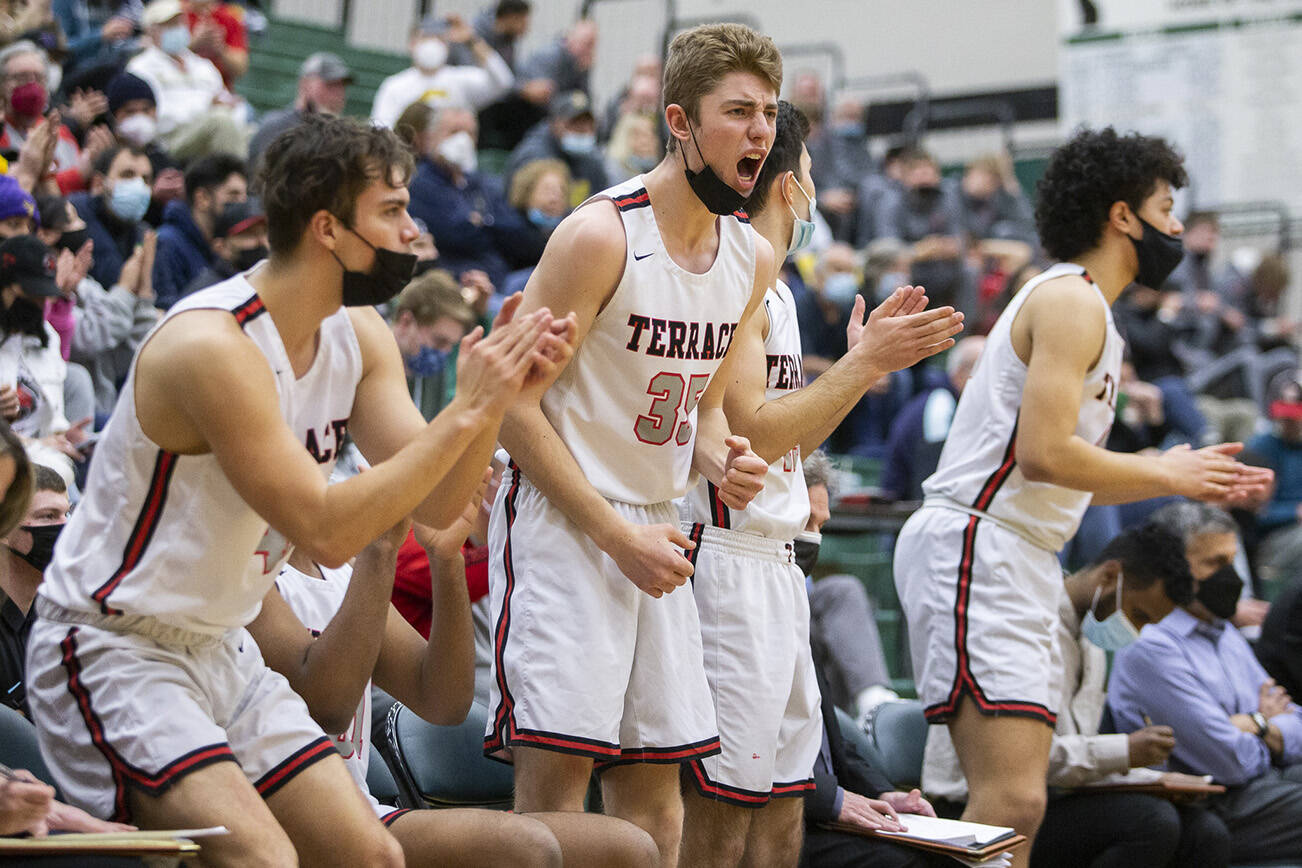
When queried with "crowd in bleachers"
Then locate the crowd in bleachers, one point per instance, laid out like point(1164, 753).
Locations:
point(129, 159)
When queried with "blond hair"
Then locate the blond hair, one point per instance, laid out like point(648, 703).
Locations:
point(528, 176)
point(433, 295)
point(700, 58)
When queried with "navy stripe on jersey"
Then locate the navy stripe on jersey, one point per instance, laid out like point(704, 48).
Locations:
point(996, 479)
point(249, 310)
point(719, 515)
point(123, 772)
point(288, 768)
point(151, 512)
point(639, 198)
point(698, 530)
point(741, 216)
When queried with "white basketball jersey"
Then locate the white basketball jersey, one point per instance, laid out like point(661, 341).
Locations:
point(626, 403)
point(315, 601)
point(978, 467)
point(166, 535)
point(781, 510)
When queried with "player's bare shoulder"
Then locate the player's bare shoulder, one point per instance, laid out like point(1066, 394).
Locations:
point(583, 262)
point(1065, 312)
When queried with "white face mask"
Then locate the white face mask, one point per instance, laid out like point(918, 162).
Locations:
point(138, 129)
point(459, 150)
point(430, 54)
point(1115, 631)
point(175, 39)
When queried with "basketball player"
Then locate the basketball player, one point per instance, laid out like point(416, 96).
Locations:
point(595, 658)
point(151, 700)
point(352, 631)
point(976, 567)
point(754, 610)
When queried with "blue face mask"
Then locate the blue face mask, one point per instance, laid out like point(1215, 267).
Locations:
point(129, 199)
point(1112, 633)
point(802, 231)
point(429, 362)
point(174, 39)
point(545, 222)
point(841, 288)
point(578, 144)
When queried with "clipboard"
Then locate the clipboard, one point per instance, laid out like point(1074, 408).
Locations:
point(170, 843)
point(972, 842)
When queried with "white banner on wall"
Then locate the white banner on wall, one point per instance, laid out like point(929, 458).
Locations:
point(1228, 94)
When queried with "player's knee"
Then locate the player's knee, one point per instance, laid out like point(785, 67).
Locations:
point(634, 848)
point(277, 852)
point(381, 850)
point(1023, 806)
point(533, 844)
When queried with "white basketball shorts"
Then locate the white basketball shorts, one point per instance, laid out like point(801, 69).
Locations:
point(754, 612)
point(583, 661)
point(981, 605)
point(117, 711)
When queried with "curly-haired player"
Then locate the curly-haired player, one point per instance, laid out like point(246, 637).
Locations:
point(976, 567)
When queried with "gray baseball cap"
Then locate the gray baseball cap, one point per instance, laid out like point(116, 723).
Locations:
point(326, 66)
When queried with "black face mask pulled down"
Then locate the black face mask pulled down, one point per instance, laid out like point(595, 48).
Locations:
point(1158, 255)
point(24, 317)
point(714, 194)
point(385, 279)
point(43, 539)
point(806, 552)
point(1220, 591)
point(73, 239)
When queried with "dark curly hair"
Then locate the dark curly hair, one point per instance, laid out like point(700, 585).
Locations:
point(1150, 554)
point(1089, 173)
point(784, 156)
point(324, 163)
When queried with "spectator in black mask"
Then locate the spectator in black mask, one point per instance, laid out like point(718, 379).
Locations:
point(27, 552)
point(185, 238)
point(929, 216)
point(239, 242)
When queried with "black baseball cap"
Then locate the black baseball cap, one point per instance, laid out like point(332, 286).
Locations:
point(236, 217)
point(26, 261)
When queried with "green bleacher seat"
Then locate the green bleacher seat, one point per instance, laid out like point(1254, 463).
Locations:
point(899, 732)
point(444, 766)
point(18, 746)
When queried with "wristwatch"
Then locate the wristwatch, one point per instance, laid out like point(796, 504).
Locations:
point(1263, 726)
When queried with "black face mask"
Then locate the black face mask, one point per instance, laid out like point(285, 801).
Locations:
point(386, 278)
point(73, 239)
point(249, 257)
point(1158, 255)
point(806, 552)
point(1220, 591)
point(424, 265)
point(924, 199)
point(42, 551)
point(24, 317)
point(714, 194)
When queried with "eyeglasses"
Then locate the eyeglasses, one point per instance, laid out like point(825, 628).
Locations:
point(23, 77)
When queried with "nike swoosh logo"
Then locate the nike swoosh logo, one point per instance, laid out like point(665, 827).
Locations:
point(643, 256)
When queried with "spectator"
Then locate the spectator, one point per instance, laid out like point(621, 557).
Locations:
point(1145, 322)
point(1136, 580)
point(567, 61)
point(541, 192)
point(839, 150)
point(641, 96)
point(24, 77)
point(28, 548)
point(994, 207)
point(108, 324)
point(1197, 674)
point(569, 135)
point(18, 214)
point(501, 26)
point(1194, 276)
point(30, 362)
point(919, 431)
point(1279, 555)
point(98, 38)
point(470, 219)
point(431, 80)
point(218, 34)
point(429, 319)
point(929, 216)
point(1260, 298)
point(825, 311)
point(1280, 647)
point(185, 238)
point(134, 110)
point(879, 194)
point(634, 147)
point(323, 81)
point(197, 115)
point(239, 242)
point(118, 199)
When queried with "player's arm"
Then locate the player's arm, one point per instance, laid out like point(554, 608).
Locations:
point(725, 458)
point(580, 268)
point(435, 678)
point(384, 419)
point(330, 671)
point(204, 386)
point(1066, 330)
point(894, 337)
